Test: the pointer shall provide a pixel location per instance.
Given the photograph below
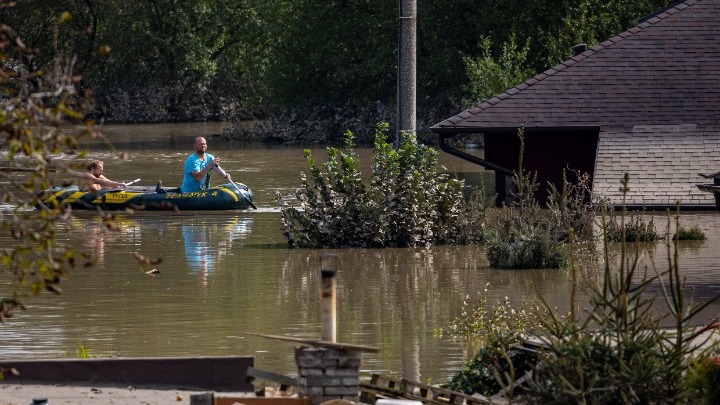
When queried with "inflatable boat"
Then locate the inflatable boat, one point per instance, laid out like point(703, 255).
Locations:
point(228, 196)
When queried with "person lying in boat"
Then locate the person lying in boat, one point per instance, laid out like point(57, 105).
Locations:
point(93, 179)
point(196, 175)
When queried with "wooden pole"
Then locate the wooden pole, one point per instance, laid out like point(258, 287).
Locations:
point(328, 289)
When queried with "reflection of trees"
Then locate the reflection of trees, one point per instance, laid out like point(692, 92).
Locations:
point(393, 298)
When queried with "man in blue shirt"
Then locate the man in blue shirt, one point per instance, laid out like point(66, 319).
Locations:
point(198, 167)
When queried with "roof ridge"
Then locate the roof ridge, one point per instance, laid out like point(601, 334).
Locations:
point(643, 23)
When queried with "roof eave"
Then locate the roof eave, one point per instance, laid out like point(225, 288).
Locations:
point(451, 130)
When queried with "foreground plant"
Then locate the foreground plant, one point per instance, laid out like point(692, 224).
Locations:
point(620, 352)
point(34, 111)
point(497, 329)
point(620, 348)
point(409, 201)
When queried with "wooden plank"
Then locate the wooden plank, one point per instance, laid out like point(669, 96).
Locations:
point(283, 380)
point(319, 343)
point(231, 400)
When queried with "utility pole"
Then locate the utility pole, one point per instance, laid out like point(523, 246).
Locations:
point(406, 78)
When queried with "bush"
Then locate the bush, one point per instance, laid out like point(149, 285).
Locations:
point(692, 233)
point(704, 381)
point(408, 202)
point(619, 352)
point(498, 329)
point(523, 236)
point(637, 229)
point(571, 207)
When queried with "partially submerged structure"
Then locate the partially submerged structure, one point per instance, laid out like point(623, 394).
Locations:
point(645, 102)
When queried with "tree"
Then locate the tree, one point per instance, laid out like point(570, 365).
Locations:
point(35, 106)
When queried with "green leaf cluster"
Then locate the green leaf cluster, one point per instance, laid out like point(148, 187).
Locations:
point(526, 236)
point(621, 351)
point(626, 345)
point(36, 110)
point(408, 201)
point(294, 53)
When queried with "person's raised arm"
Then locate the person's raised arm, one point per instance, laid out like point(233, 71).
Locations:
point(103, 181)
point(200, 174)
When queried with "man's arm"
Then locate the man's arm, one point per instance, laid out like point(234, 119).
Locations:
point(200, 174)
point(103, 181)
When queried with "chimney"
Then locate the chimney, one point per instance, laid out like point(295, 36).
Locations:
point(579, 48)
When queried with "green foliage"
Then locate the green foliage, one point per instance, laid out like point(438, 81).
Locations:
point(82, 351)
point(498, 328)
point(294, 53)
point(523, 236)
point(704, 381)
point(408, 202)
point(692, 233)
point(620, 353)
point(571, 207)
point(636, 229)
point(484, 372)
point(488, 77)
point(332, 51)
point(502, 323)
point(35, 112)
point(33, 107)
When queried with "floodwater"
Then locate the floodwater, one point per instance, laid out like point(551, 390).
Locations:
point(226, 276)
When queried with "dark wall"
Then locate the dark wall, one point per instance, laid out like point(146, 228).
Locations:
point(546, 152)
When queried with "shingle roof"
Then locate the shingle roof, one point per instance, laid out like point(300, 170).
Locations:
point(664, 71)
point(663, 162)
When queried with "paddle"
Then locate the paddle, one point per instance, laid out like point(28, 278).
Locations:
point(126, 184)
point(242, 193)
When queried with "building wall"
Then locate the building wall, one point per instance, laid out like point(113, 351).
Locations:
point(547, 154)
point(663, 162)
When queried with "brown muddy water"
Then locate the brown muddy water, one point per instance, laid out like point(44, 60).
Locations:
point(224, 274)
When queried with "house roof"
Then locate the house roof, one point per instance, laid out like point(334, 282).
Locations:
point(664, 71)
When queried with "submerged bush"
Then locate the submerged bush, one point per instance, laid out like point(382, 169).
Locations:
point(524, 236)
point(570, 207)
point(637, 229)
point(497, 328)
point(692, 233)
point(408, 201)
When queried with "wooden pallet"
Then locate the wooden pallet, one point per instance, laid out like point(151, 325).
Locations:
point(381, 387)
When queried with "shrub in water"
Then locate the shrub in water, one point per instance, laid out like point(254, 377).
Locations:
point(498, 329)
point(408, 202)
point(522, 236)
point(692, 233)
point(637, 229)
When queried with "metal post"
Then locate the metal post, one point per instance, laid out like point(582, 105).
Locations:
point(328, 289)
point(406, 98)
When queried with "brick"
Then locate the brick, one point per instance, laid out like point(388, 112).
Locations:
point(341, 390)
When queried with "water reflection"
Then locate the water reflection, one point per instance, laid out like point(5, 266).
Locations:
point(207, 241)
point(98, 234)
point(394, 298)
point(390, 298)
